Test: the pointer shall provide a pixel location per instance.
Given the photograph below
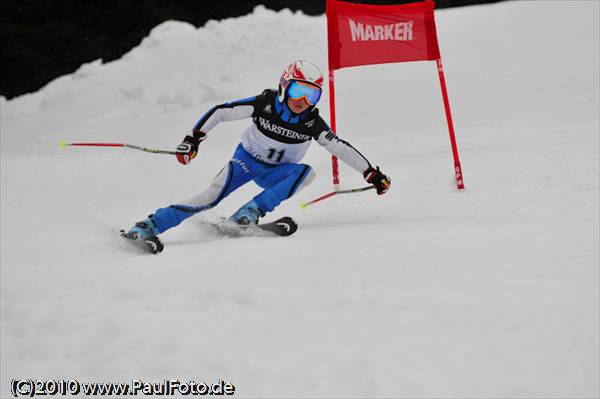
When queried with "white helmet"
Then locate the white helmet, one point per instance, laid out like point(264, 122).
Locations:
point(301, 71)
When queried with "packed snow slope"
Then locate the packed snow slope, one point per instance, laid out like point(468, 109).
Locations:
point(423, 292)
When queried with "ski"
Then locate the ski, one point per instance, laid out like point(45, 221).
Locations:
point(151, 244)
point(285, 226)
point(282, 227)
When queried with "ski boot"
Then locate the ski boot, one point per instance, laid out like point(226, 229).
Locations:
point(247, 214)
point(146, 232)
point(142, 230)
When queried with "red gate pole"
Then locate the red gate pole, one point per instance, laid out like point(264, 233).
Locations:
point(457, 168)
point(334, 160)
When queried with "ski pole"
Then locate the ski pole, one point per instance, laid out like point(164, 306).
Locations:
point(64, 144)
point(331, 194)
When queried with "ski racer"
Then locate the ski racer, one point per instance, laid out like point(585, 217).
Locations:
point(284, 122)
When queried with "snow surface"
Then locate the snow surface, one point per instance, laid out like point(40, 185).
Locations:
point(424, 292)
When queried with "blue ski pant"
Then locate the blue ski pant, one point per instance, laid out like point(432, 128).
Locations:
point(279, 182)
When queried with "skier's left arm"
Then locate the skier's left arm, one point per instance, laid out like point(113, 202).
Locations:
point(352, 157)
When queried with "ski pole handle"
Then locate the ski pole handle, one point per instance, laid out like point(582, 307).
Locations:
point(65, 144)
point(331, 194)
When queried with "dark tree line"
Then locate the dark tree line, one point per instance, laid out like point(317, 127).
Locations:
point(44, 39)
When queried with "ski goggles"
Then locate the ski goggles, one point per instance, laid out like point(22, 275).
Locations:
point(297, 90)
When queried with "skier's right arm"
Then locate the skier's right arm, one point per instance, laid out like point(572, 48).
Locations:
point(231, 111)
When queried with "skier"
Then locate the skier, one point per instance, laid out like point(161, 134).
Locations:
point(283, 124)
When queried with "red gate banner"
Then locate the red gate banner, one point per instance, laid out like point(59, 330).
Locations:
point(362, 34)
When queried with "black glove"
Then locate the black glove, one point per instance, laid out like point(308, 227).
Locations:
point(188, 149)
point(381, 182)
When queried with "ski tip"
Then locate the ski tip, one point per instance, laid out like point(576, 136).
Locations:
point(303, 206)
point(154, 245)
point(63, 144)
